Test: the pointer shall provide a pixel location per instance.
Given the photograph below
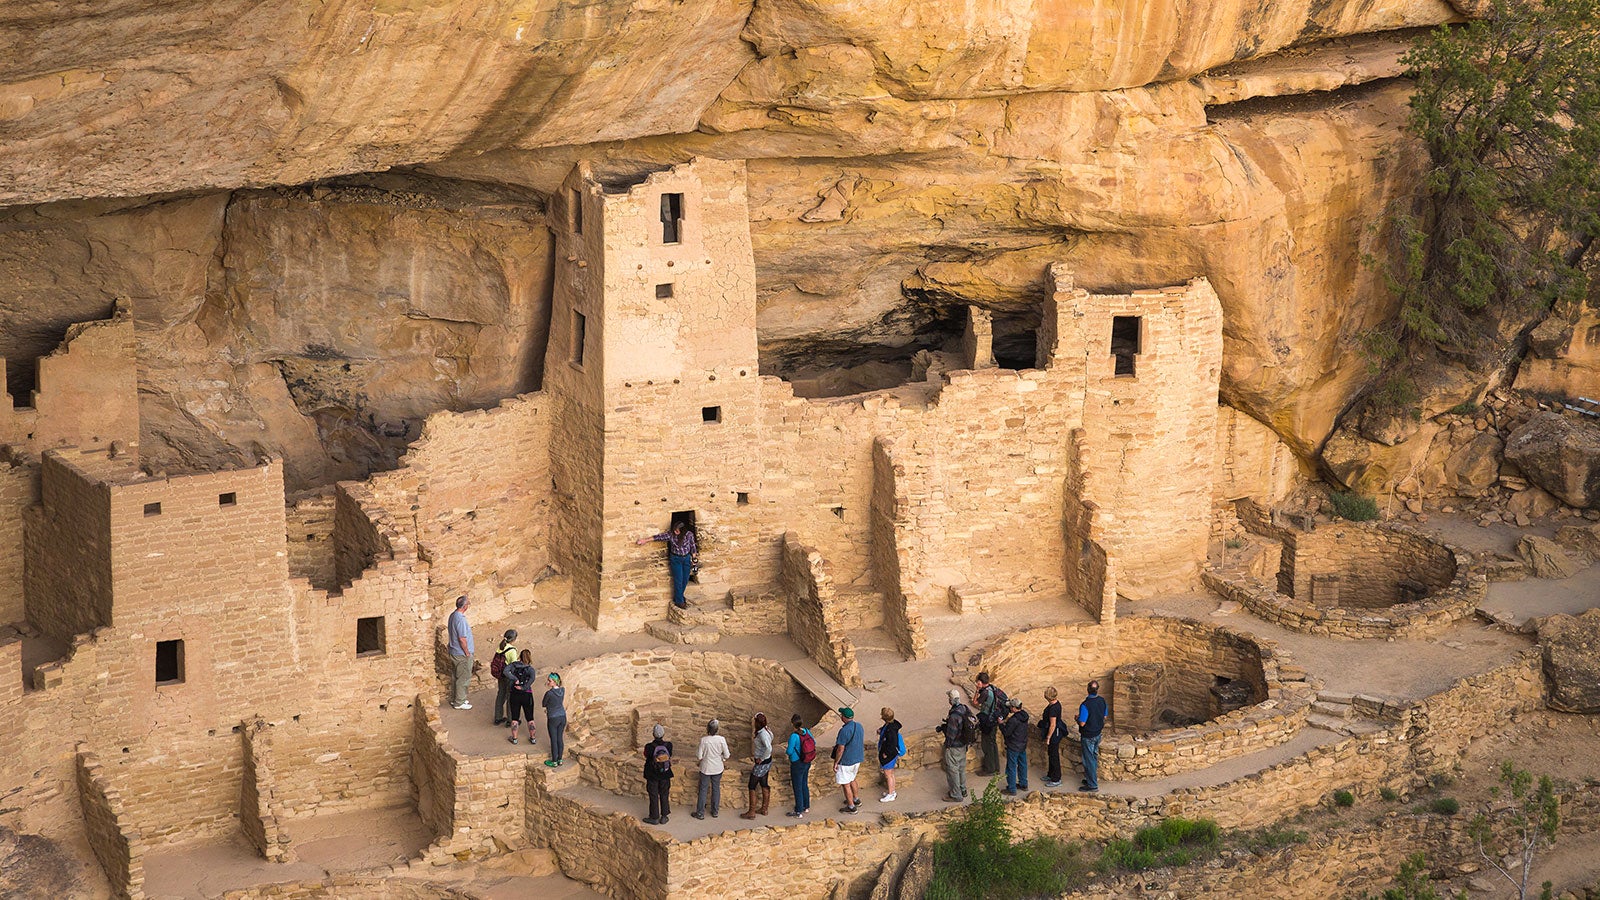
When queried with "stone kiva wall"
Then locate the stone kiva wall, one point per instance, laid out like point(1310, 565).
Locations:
point(1347, 581)
point(1148, 668)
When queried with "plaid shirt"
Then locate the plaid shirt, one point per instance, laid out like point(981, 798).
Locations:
point(679, 544)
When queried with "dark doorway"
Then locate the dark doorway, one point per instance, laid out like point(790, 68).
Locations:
point(1125, 343)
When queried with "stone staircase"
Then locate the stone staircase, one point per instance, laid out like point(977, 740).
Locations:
point(714, 610)
point(1344, 713)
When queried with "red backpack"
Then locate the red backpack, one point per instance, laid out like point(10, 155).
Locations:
point(497, 665)
point(808, 747)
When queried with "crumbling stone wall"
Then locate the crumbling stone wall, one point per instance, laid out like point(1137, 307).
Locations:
point(87, 392)
point(815, 620)
point(1369, 563)
point(309, 522)
point(68, 541)
point(121, 853)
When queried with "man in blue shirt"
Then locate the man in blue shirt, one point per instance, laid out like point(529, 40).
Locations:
point(461, 649)
point(849, 749)
point(1093, 714)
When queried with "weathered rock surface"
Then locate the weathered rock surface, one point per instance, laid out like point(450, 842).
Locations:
point(1571, 648)
point(34, 866)
point(1476, 465)
point(1560, 454)
point(1545, 558)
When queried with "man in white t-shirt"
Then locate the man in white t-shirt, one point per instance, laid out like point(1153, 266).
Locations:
point(712, 755)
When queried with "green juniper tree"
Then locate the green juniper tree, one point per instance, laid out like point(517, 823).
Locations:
point(1508, 108)
point(1528, 823)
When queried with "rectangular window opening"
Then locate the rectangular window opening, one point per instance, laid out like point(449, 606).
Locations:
point(1125, 343)
point(228, 499)
point(152, 509)
point(742, 498)
point(575, 204)
point(580, 325)
point(711, 414)
point(370, 638)
point(671, 218)
point(664, 291)
point(169, 662)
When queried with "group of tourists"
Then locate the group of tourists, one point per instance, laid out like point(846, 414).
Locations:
point(515, 677)
point(998, 721)
point(1000, 718)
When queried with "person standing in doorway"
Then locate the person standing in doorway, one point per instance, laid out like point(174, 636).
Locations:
point(461, 649)
point(1093, 714)
point(989, 713)
point(658, 776)
point(802, 750)
point(959, 730)
point(849, 749)
point(712, 755)
point(555, 719)
point(761, 767)
point(504, 656)
point(1015, 731)
point(683, 556)
point(1052, 730)
point(891, 746)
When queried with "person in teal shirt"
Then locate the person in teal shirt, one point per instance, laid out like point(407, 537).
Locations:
point(849, 749)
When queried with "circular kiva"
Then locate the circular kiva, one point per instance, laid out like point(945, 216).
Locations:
point(1184, 694)
point(614, 701)
point(1352, 580)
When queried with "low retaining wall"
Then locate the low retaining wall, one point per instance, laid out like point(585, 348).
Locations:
point(1067, 656)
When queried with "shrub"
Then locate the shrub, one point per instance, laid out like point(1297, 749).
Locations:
point(1353, 507)
point(1175, 842)
point(1464, 408)
point(1234, 543)
point(1274, 838)
point(1389, 794)
point(1344, 799)
point(979, 859)
point(1445, 806)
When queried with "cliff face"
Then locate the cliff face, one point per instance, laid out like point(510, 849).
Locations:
point(904, 161)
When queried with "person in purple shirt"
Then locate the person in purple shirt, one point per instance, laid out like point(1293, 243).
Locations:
point(683, 554)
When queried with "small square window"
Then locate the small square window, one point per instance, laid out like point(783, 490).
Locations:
point(742, 498)
point(671, 218)
point(152, 509)
point(370, 637)
point(580, 327)
point(664, 291)
point(711, 414)
point(169, 662)
point(228, 499)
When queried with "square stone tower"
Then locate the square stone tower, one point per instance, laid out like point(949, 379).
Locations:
point(652, 366)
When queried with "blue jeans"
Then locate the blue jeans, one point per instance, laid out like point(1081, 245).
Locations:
point(680, 566)
point(1016, 769)
point(800, 781)
point(1091, 762)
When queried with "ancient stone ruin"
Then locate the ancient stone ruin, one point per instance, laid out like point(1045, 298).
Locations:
point(1026, 343)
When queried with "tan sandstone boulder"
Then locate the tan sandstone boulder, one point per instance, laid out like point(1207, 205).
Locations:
point(1571, 652)
point(1560, 454)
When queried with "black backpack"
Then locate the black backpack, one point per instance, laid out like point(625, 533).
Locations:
point(969, 726)
point(661, 764)
point(989, 720)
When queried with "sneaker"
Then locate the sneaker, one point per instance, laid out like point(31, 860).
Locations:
point(652, 821)
point(713, 814)
point(852, 810)
point(795, 815)
point(500, 721)
point(552, 763)
point(532, 741)
point(512, 739)
point(950, 799)
point(889, 797)
point(698, 815)
point(1009, 792)
point(465, 705)
point(1089, 790)
point(1052, 784)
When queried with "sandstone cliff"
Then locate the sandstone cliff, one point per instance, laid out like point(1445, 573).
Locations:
point(904, 161)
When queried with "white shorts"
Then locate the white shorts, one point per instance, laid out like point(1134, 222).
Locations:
point(846, 774)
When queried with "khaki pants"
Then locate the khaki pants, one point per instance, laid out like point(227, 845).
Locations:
point(463, 677)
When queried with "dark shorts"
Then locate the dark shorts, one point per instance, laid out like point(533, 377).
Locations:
point(519, 705)
point(759, 781)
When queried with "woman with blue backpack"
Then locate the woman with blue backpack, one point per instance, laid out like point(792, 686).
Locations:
point(891, 746)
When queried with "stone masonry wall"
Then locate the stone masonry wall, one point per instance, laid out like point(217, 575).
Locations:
point(19, 489)
point(68, 546)
point(309, 521)
point(87, 392)
point(121, 853)
point(481, 480)
point(814, 622)
point(1368, 562)
point(261, 812)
